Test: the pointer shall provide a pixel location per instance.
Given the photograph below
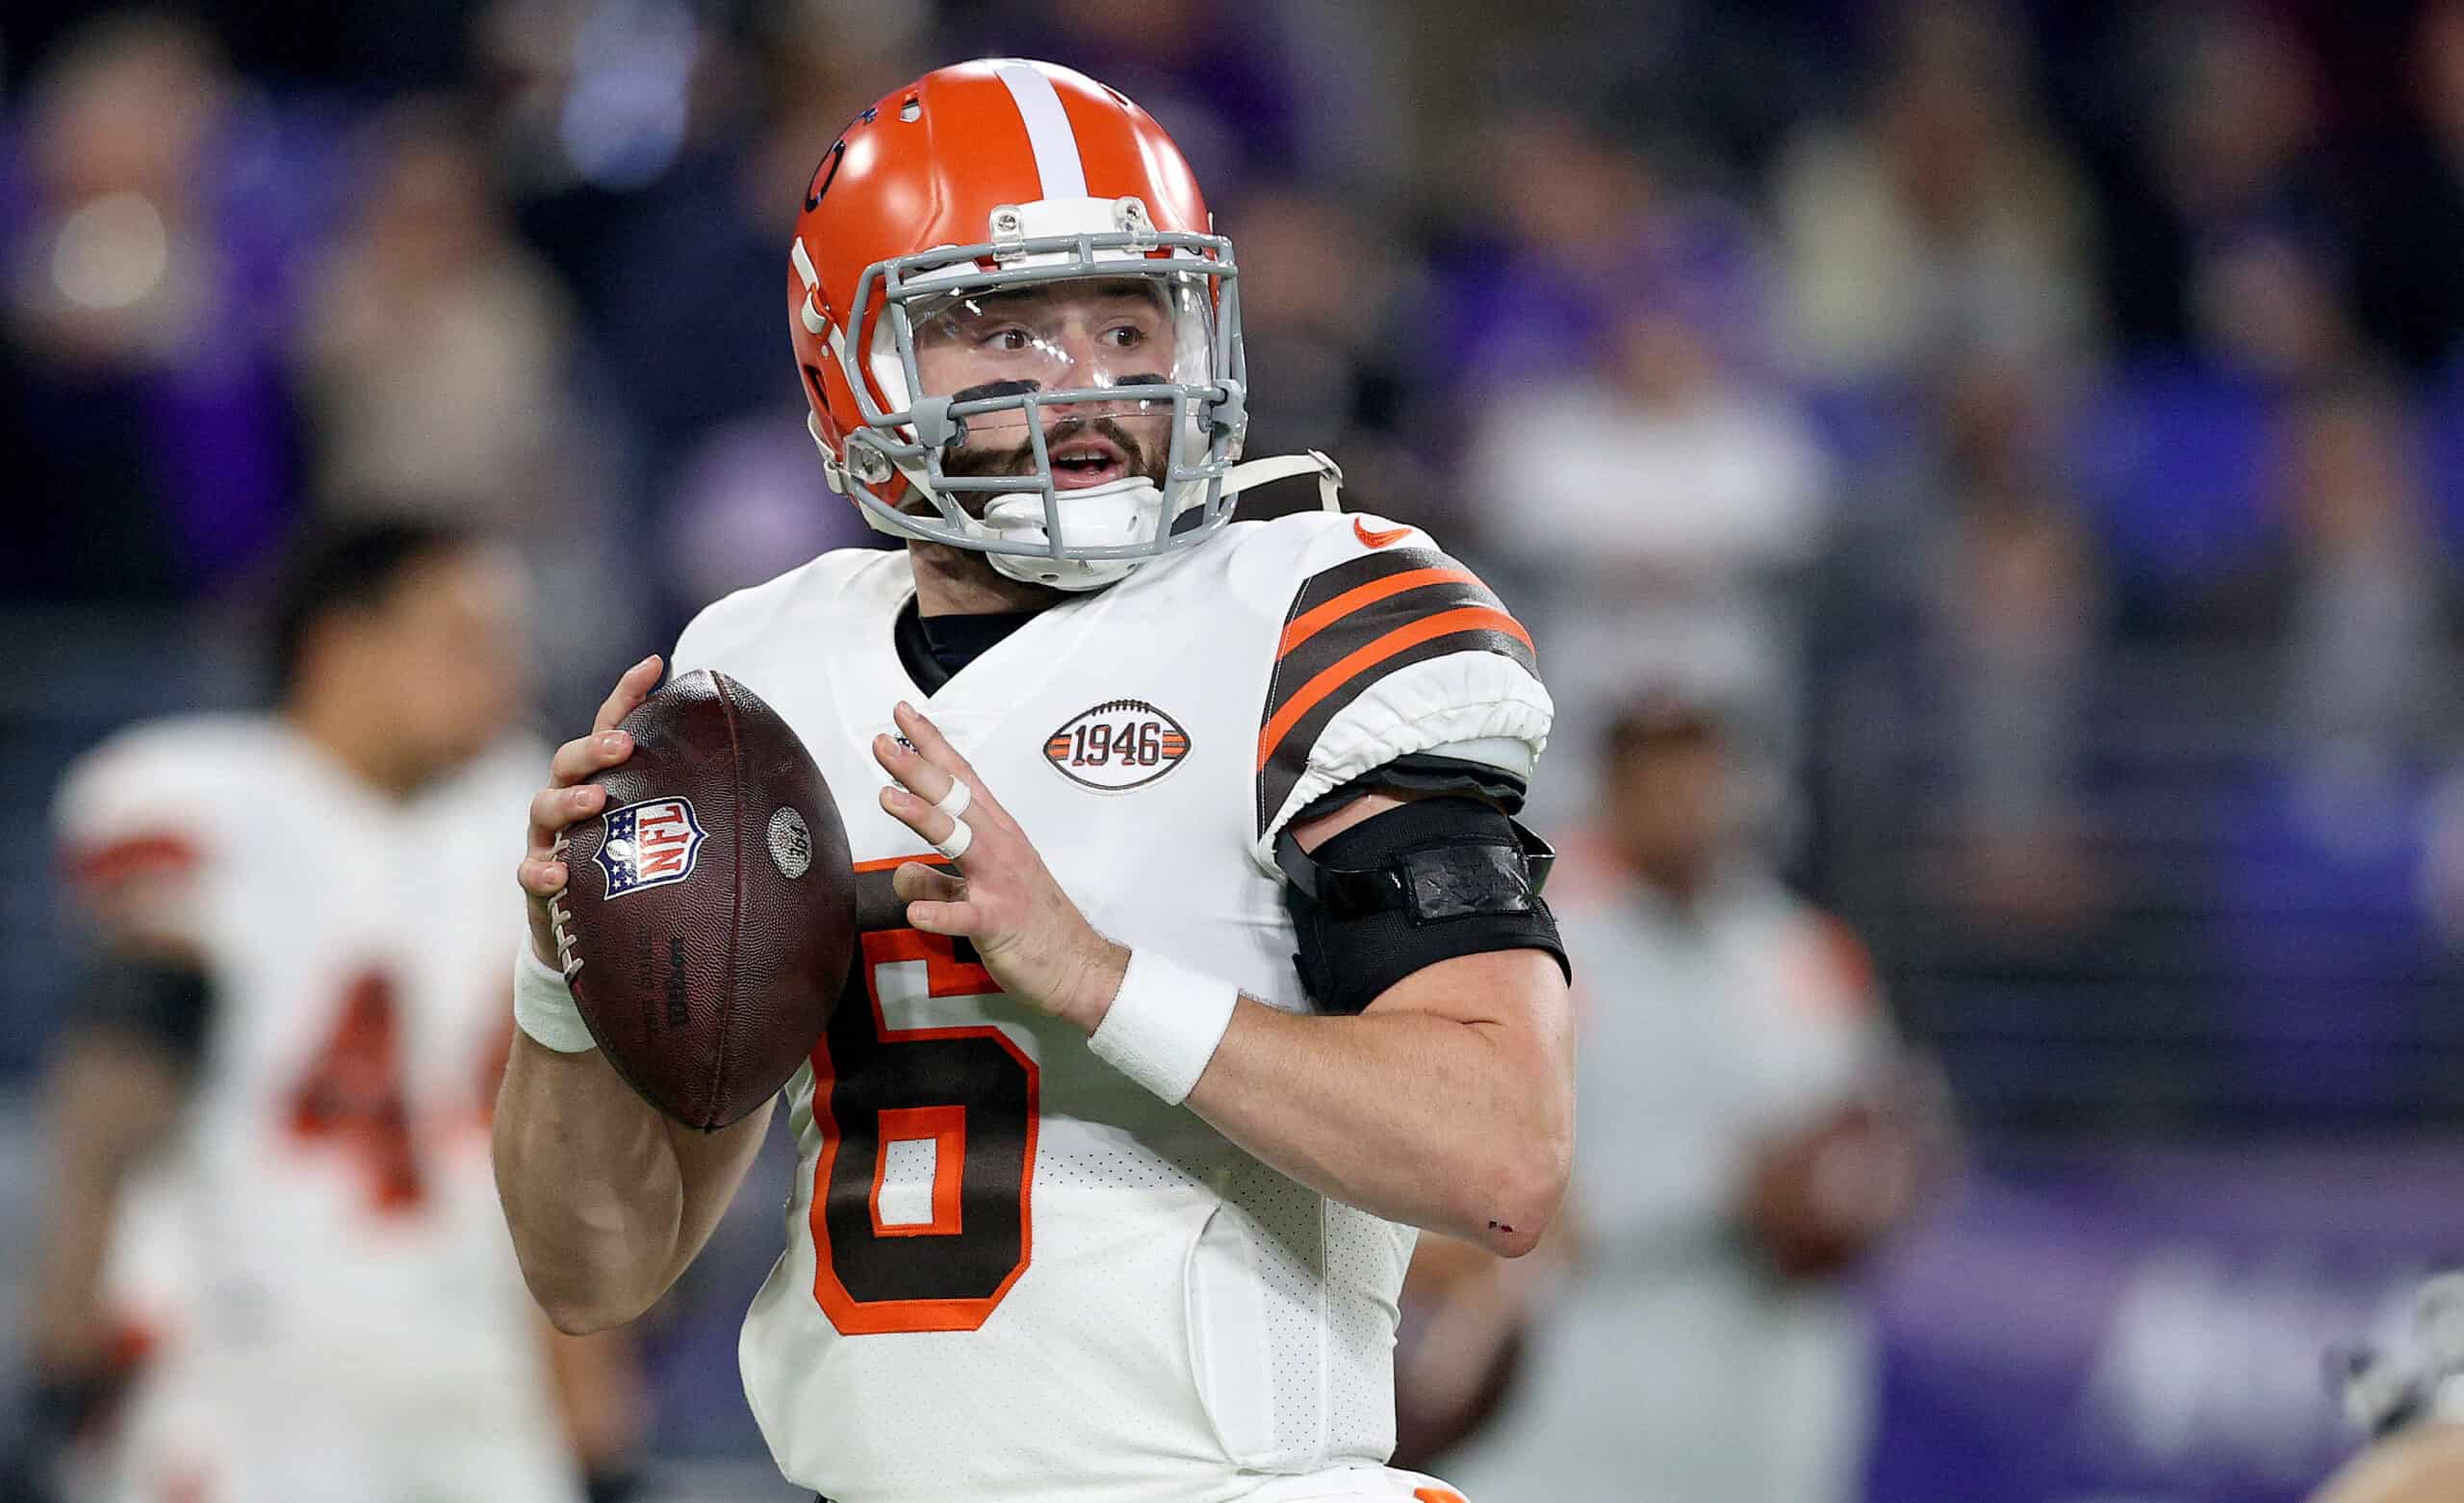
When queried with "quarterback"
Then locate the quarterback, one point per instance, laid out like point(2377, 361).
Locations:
point(1203, 959)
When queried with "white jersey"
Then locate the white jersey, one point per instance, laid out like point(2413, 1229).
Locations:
point(1013, 1275)
point(321, 1240)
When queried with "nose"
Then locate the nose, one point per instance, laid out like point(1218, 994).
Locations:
point(1094, 366)
point(1082, 356)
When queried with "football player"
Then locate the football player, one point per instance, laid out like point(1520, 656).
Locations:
point(1753, 1136)
point(1102, 1197)
point(269, 1114)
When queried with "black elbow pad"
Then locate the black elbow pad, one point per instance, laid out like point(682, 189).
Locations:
point(166, 1002)
point(1421, 882)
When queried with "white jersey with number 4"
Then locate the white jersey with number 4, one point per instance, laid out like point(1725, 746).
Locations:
point(1013, 1276)
point(320, 1243)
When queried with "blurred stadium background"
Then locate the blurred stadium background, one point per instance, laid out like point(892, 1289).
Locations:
point(2039, 426)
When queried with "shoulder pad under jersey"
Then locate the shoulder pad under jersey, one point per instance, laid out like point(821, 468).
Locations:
point(149, 801)
point(753, 614)
point(1388, 648)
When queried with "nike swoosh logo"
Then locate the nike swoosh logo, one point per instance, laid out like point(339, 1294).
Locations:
point(1377, 539)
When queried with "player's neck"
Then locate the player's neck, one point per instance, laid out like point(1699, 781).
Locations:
point(356, 741)
point(955, 581)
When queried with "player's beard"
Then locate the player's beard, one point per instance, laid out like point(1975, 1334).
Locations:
point(975, 462)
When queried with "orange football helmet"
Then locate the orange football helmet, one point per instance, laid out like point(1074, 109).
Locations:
point(957, 205)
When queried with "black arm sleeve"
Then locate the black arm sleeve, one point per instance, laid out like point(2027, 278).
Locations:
point(166, 1002)
point(1428, 880)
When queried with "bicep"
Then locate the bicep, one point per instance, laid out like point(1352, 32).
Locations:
point(1316, 830)
point(1519, 998)
point(114, 1094)
point(1516, 995)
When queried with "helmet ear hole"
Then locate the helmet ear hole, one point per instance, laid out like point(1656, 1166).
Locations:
point(812, 380)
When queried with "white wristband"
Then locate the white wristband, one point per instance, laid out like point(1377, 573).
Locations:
point(543, 1004)
point(1164, 1024)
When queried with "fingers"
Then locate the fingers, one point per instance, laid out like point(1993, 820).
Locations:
point(918, 815)
point(904, 766)
point(583, 755)
point(943, 918)
point(931, 749)
point(551, 809)
point(930, 767)
point(908, 766)
point(916, 882)
point(567, 798)
point(630, 691)
point(930, 744)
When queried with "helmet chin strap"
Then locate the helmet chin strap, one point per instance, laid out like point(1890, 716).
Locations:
point(1119, 512)
point(1124, 513)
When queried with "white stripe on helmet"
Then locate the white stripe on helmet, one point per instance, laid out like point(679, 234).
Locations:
point(814, 323)
point(1048, 132)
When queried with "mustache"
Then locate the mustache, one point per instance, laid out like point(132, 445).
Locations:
point(1021, 459)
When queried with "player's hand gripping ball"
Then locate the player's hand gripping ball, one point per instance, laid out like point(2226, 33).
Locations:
point(707, 916)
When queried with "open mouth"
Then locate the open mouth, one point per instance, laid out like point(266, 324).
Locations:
point(1086, 461)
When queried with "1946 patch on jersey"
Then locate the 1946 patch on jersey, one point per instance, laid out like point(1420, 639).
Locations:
point(1119, 745)
point(649, 844)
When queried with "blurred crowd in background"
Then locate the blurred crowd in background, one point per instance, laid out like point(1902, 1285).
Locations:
point(2039, 424)
point(2035, 432)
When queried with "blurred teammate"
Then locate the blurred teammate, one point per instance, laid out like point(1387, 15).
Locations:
point(270, 1110)
point(1102, 1198)
point(1737, 1155)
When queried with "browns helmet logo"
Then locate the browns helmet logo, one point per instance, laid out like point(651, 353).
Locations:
point(1119, 745)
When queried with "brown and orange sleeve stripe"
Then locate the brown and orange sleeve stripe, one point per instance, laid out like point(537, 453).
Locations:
point(100, 866)
point(1353, 624)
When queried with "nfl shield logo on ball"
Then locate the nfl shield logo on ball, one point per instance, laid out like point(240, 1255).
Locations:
point(649, 844)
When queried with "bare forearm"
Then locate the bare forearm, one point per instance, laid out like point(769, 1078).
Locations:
point(112, 1100)
point(1416, 1118)
point(598, 1187)
point(600, 1390)
point(607, 1200)
point(589, 1184)
point(66, 1313)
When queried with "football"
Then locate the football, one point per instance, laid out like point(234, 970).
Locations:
point(711, 906)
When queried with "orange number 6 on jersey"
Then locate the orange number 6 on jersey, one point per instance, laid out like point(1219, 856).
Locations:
point(898, 1246)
